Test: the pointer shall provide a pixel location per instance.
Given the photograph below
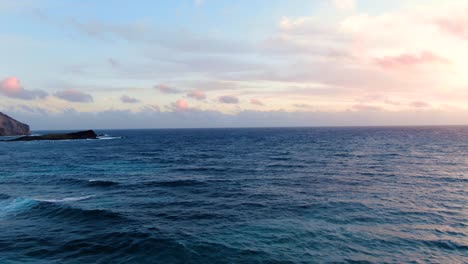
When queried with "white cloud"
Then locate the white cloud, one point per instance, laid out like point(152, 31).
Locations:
point(345, 4)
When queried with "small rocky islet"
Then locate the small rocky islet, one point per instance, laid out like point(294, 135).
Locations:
point(88, 134)
point(12, 127)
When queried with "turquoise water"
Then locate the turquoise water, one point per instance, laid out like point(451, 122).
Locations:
point(283, 195)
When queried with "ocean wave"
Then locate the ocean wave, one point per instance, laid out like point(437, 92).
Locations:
point(201, 169)
point(454, 179)
point(80, 215)
point(67, 199)
point(176, 183)
point(280, 158)
point(144, 246)
point(101, 183)
point(28, 208)
point(137, 246)
point(439, 244)
point(12, 206)
point(88, 183)
point(17, 204)
point(286, 166)
point(211, 170)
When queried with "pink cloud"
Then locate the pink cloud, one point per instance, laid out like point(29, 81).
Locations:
point(419, 104)
point(199, 95)
point(228, 99)
point(163, 88)
point(11, 87)
point(76, 96)
point(182, 104)
point(366, 108)
point(456, 27)
point(410, 60)
point(391, 102)
point(255, 101)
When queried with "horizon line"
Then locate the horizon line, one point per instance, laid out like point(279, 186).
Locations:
point(263, 127)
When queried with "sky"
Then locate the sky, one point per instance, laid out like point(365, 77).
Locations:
point(231, 63)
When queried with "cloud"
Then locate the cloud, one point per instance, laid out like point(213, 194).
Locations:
point(180, 105)
point(11, 87)
point(27, 109)
point(332, 59)
point(122, 119)
point(292, 24)
point(255, 101)
point(199, 95)
point(410, 60)
point(344, 4)
point(454, 26)
point(228, 99)
point(419, 104)
point(113, 63)
point(106, 31)
point(302, 105)
point(151, 108)
point(306, 29)
point(199, 2)
point(163, 88)
point(129, 100)
point(76, 96)
point(391, 102)
point(366, 108)
point(144, 33)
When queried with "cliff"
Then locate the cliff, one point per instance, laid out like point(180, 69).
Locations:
point(12, 127)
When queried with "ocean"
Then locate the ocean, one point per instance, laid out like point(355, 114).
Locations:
point(253, 195)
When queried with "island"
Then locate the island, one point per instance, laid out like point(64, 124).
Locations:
point(88, 134)
point(12, 127)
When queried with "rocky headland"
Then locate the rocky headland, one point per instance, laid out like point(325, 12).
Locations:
point(12, 127)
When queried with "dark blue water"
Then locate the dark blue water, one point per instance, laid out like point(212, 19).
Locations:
point(293, 195)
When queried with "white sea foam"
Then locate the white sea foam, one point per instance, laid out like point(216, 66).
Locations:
point(107, 137)
point(15, 205)
point(68, 199)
